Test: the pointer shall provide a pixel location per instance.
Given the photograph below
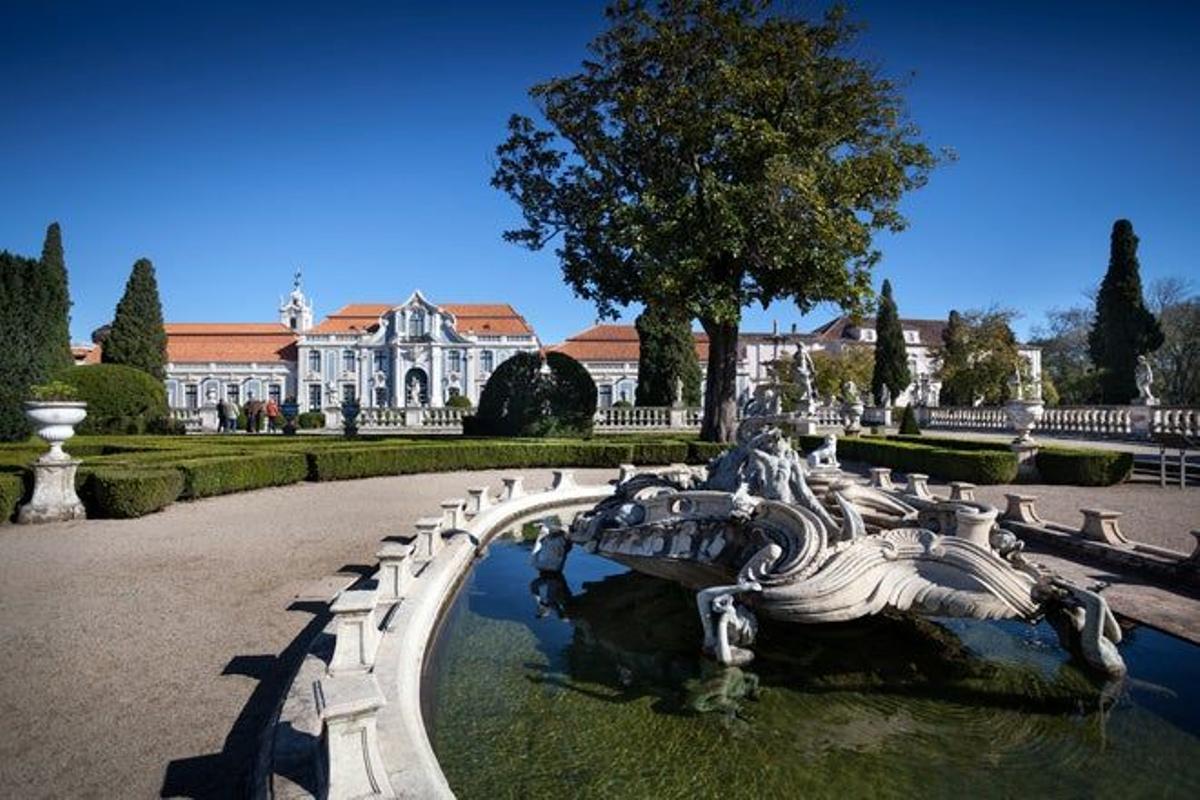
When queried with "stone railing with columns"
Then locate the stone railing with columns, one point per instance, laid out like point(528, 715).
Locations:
point(1099, 421)
point(351, 725)
point(969, 418)
point(1175, 421)
point(1131, 423)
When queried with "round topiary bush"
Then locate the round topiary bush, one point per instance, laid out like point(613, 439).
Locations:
point(458, 401)
point(519, 400)
point(120, 399)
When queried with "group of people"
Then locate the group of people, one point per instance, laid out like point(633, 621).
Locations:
point(228, 413)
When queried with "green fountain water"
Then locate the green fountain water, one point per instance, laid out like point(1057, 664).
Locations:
point(613, 700)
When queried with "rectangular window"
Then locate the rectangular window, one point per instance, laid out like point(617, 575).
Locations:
point(234, 392)
point(455, 360)
point(275, 392)
point(192, 393)
point(348, 393)
point(314, 397)
point(348, 361)
point(381, 361)
point(604, 399)
point(314, 361)
point(487, 361)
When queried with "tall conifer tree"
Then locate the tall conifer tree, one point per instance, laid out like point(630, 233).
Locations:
point(137, 338)
point(1124, 328)
point(667, 353)
point(19, 358)
point(55, 327)
point(891, 355)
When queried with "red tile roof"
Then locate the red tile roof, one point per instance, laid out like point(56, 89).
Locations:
point(607, 342)
point(229, 342)
point(86, 353)
point(487, 319)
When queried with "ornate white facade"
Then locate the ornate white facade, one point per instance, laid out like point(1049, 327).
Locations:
point(414, 354)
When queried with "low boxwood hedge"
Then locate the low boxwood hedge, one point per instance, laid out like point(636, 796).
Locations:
point(1083, 466)
point(981, 466)
point(123, 493)
point(310, 420)
point(206, 477)
point(344, 463)
point(12, 489)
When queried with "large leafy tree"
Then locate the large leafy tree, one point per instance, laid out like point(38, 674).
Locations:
point(1124, 328)
point(1066, 361)
point(666, 355)
point(54, 315)
point(891, 355)
point(978, 358)
point(1177, 362)
point(20, 363)
point(137, 338)
point(711, 154)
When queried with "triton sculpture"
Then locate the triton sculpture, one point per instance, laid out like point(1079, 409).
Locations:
point(764, 532)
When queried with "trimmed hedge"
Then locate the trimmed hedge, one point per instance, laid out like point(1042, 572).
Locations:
point(120, 399)
point(206, 477)
point(361, 462)
point(981, 466)
point(1082, 466)
point(12, 489)
point(124, 493)
point(309, 420)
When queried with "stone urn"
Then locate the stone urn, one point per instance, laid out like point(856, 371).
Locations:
point(54, 498)
point(853, 413)
point(54, 421)
point(1023, 417)
point(290, 410)
point(350, 412)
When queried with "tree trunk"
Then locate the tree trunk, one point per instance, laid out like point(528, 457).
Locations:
point(720, 384)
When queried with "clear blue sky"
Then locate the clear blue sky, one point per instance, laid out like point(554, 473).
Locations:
point(233, 142)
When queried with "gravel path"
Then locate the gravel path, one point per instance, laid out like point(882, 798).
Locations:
point(142, 657)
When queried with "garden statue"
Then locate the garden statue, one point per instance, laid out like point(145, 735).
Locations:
point(825, 456)
point(754, 539)
point(678, 392)
point(805, 370)
point(551, 547)
point(1143, 376)
point(765, 403)
point(414, 395)
point(885, 397)
point(332, 395)
point(1015, 390)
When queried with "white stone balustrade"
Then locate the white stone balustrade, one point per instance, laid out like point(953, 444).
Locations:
point(429, 538)
point(357, 632)
point(478, 500)
point(967, 418)
point(349, 705)
point(454, 513)
point(1176, 421)
point(395, 570)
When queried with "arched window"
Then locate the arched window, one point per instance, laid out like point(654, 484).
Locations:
point(314, 361)
point(487, 361)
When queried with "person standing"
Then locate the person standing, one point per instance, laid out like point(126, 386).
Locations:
point(222, 417)
point(272, 415)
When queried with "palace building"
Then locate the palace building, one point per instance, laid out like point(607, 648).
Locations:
point(415, 353)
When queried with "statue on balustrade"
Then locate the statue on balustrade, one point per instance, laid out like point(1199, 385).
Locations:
point(1143, 376)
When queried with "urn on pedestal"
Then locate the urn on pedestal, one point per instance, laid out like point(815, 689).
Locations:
point(54, 496)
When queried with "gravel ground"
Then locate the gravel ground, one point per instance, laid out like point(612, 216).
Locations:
point(142, 657)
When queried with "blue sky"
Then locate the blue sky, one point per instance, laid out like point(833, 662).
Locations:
point(234, 142)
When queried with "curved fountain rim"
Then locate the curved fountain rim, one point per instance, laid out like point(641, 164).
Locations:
point(406, 641)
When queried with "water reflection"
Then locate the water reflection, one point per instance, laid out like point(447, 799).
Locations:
point(593, 685)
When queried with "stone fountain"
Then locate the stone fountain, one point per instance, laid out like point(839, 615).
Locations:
point(765, 532)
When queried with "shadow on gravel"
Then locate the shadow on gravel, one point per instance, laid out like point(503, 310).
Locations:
point(229, 773)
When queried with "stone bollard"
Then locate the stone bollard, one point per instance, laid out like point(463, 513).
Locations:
point(918, 485)
point(1101, 525)
point(357, 632)
point(514, 487)
point(429, 538)
point(625, 472)
point(453, 516)
point(1020, 509)
point(881, 478)
point(395, 572)
point(975, 525)
point(563, 479)
point(478, 500)
point(961, 490)
point(349, 705)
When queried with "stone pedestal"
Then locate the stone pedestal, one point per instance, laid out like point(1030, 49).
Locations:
point(678, 418)
point(333, 418)
point(1026, 461)
point(1141, 417)
point(54, 498)
point(975, 525)
point(805, 426)
point(357, 634)
point(209, 420)
point(349, 707)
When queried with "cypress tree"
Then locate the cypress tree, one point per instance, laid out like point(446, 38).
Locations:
point(1124, 328)
point(137, 338)
point(891, 356)
point(953, 362)
point(19, 357)
point(56, 308)
point(666, 354)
